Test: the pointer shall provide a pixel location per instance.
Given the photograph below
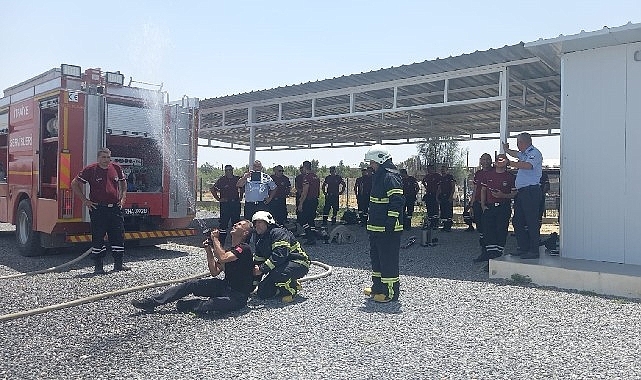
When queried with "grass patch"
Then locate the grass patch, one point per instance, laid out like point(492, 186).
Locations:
point(521, 279)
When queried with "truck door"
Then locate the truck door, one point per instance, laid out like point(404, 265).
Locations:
point(182, 158)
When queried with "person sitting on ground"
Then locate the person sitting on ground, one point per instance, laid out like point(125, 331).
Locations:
point(279, 260)
point(228, 294)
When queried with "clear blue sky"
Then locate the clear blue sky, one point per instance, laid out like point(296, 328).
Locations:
point(216, 48)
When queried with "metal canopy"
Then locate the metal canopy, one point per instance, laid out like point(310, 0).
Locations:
point(462, 98)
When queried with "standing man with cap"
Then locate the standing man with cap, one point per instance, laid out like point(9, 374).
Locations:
point(432, 184)
point(107, 193)
point(410, 190)
point(446, 198)
point(362, 189)
point(278, 204)
point(333, 187)
point(384, 225)
point(528, 199)
point(308, 202)
point(259, 189)
point(228, 195)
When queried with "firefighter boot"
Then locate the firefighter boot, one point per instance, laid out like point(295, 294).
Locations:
point(119, 266)
point(392, 294)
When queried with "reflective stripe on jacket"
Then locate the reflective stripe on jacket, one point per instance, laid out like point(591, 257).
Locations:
point(386, 201)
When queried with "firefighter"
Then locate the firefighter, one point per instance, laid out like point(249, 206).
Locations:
point(497, 192)
point(107, 193)
point(333, 188)
point(446, 198)
point(384, 225)
point(308, 202)
point(432, 182)
point(279, 259)
point(227, 294)
point(362, 189)
point(278, 204)
point(475, 200)
point(228, 195)
point(410, 190)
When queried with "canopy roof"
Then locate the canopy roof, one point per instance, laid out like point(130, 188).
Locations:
point(460, 98)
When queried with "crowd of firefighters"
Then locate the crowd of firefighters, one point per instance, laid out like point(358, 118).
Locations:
point(386, 198)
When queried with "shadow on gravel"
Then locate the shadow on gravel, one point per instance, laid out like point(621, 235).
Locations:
point(170, 309)
point(273, 303)
point(450, 258)
point(369, 306)
point(12, 259)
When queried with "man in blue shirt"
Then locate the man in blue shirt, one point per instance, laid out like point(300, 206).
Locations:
point(527, 202)
point(259, 189)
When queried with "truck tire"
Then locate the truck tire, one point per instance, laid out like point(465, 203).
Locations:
point(28, 240)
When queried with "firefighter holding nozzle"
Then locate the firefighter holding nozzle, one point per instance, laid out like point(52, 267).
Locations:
point(219, 295)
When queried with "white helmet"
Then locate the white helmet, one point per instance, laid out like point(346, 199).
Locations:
point(377, 154)
point(264, 216)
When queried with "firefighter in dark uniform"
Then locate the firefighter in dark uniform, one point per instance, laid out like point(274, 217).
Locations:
point(279, 260)
point(384, 225)
point(278, 204)
point(107, 193)
point(431, 182)
point(497, 192)
point(475, 202)
point(362, 189)
point(308, 202)
point(446, 198)
point(298, 186)
point(410, 190)
point(227, 294)
point(228, 195)
point(333, 187)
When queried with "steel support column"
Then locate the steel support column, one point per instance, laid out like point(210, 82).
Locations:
point(504, 94)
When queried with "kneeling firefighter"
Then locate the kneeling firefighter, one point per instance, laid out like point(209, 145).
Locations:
point(279, 258)
point(386, 206)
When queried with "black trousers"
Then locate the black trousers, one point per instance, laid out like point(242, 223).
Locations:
point(384, 257)
point(363, 207)
point(447, 210)
point(278, 209)
point(410, 203)
point(307, 216)
point(110, 221)
point(221, 296)
point(526, 218)
point(478, 219)
point(280, 280)
point(331, 202)
point(431, 203)
point(251, 208)
point(496, 220)
point(229, 212)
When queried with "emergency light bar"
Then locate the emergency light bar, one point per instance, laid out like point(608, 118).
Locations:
point(71, 70)
point(115, 78)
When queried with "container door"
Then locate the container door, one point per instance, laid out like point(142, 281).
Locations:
point(181, 159)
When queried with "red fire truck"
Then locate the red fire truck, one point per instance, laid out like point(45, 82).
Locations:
point(52, 125)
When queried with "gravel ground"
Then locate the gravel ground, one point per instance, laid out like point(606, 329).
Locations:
point(451, 322)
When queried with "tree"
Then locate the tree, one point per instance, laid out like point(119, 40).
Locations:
point(440, 151)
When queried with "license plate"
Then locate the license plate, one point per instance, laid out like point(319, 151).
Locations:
point(136, 211)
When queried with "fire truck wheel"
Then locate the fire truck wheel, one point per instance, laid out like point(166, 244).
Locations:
point(28, 239)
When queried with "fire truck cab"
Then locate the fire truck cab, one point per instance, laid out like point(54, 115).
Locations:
point(52, 125)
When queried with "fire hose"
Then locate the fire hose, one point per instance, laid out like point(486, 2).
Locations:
point(52, 269)
point(119, 292)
